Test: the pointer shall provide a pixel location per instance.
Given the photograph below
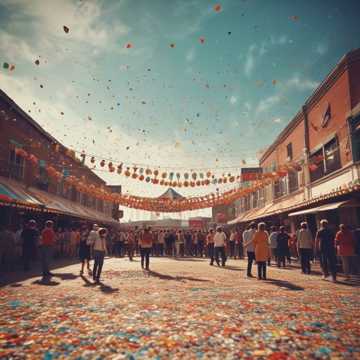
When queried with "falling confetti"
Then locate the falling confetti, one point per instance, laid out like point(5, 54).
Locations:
point(12, 67)
point(202, 40)
point(42, 86)
point(66, 29)
point(294, 18)
point(129, 46)
point(274, 82)
point(217, 7)
point(172, 45)
point(37, 62)
point(6, 65)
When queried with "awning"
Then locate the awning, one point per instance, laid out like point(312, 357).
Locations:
point(67, 207)
point(326, 207)
point(14, 193)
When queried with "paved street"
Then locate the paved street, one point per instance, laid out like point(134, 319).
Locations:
point(181, 309)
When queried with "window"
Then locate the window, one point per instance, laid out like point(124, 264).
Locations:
point(255, 199)
point(16, 165)
point(43, 179)
point(355, 137)
point(325, 160)
point(280, 187)
point(332, 156)
point(293, 181)
point(247, 203)
point(289, 151)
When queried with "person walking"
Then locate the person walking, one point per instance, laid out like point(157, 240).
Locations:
point(161, 240)
point(232, 243)
point(130, 244)
point(282, 249)
point(273, 244)
point(325, 246)
point(210, 246)
point(146, 242)
point(249, 246)
point(180, 244)
point(346, 248)
point(305, 247)
point(30, 238)
point(261, 245)
point(100, 250)
point(219, 246)
point(47, 243)
point(84, 250)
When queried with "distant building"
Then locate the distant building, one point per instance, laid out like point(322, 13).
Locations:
point(28, 186)
point(324, 136)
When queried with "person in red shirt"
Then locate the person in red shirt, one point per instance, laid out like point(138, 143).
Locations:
point(346, 248)
point(47, 243)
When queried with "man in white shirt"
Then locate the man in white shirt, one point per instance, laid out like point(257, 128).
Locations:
point(219, 246)
point(248, 236)
point(273, 244)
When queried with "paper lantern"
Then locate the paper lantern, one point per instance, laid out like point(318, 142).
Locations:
point(127, 172)
point(186, 183)
point(92, 160)
point(134, 175)
point(164, 175)
point(148, 172)
point(141, 177)
point(156, 172)
point(208, 174)
point(148, 179)
point(102, 163)
point(186, 176)
point(192, 183)
point(194, 176)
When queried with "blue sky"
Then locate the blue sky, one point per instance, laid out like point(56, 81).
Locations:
point(194, 105)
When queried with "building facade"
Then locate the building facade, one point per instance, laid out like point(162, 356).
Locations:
point(324, 139)
point(26, 180)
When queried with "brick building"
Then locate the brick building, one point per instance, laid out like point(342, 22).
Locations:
point(324, 137)
point(26, 186)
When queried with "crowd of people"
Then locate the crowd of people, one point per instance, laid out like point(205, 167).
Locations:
point(261, 245)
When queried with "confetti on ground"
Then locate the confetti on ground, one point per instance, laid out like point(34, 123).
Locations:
point(180, 309)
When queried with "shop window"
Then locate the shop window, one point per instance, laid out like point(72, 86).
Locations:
point(247, 203)
point(16, 165)
point(280, 188)
point(43, 179)
point(355, 138)
point(289, 151)
point(255, 199)
point(325, 161)
point(293, 181)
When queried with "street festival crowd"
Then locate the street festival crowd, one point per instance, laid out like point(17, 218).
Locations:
point(261, 245)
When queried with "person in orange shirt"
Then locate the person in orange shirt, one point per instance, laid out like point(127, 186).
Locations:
point(346, 248)
point(146, 243)
point(47, 243)
point(261, 244)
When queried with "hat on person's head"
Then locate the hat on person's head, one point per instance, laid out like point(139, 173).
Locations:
point(49, 223)
point(32, 223)
point(95, 226)
point(323, 222)
point(102, 231)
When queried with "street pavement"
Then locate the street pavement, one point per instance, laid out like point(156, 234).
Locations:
point(180, 309)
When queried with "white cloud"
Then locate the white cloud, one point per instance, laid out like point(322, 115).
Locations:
point(321, 48)
point(190, 55)
point(278, 40)
point(266, 104)
point(250, 60)
point(233, 100)
point(15, 49)
point(86, 21)
point(301, 83)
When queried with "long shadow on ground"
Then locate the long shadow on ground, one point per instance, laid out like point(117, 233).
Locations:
point(175, 278)
point(285, 284)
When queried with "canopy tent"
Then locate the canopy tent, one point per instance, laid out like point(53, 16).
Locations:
point(171, 194)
